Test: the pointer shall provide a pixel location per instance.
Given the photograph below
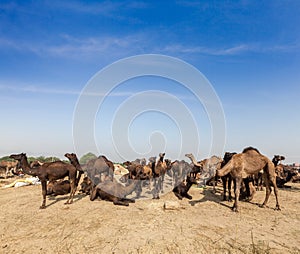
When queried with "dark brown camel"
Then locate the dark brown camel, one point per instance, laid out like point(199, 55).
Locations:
point(227, 179)
point(249, 162)
point(74, 161)
point(181, 190)
point(49, 171)
point(60, 187)
point(114, 192)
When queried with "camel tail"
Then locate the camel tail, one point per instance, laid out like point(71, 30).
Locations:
point(226, 169)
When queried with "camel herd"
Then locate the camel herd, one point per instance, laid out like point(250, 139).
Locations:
point(245, 170)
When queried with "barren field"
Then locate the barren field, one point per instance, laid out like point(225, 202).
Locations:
point(203, 225)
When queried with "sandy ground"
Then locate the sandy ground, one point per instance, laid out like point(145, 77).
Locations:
point(203, 225)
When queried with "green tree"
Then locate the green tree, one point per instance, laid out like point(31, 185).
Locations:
point(85, 158)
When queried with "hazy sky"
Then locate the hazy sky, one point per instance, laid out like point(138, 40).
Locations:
point(249, 51)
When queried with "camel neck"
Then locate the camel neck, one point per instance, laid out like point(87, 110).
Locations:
point(26, 168)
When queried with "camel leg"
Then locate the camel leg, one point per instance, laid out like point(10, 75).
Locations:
point(44, 193)
point(214, 184)
point(238, 182)
point(229, 179)
point(178, 195)
point(128, 200)
point(273, 181)
point(93, 193)
point(224, 180)
point(73, 183)
point(120, 202)
point(268, 189)
point(188, 196)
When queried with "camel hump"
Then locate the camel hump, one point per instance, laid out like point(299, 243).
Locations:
point(250, 148)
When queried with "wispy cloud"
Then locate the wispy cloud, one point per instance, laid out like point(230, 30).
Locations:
point(106, 8)
point(90, 47)
point(42, 90)
point(230, 51)
point(204, 50)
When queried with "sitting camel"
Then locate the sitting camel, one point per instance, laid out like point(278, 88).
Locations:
point(60, 187)
point(181, 189)
point(249, 162)
point(49, 171)
point(114, 192)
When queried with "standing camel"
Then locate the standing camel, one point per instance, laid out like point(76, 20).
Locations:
point(247, 163)
point(95, 167)
point(7, 166)
point(159, 175)
point(74, 161)
point(49, 171)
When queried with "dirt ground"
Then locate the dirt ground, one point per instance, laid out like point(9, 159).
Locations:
point(203, 225)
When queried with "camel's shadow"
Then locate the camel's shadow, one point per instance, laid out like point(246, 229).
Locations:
point(217, 197)
point(56, 199)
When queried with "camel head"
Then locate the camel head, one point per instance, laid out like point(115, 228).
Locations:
point(168, 162)
point(152, 159)
point(189, 155)
point(18, 157)
point(162, 155)
point(278, 158)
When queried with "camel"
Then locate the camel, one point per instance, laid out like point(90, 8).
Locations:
point(277, 158)
point(86, 186)
point(158, 175)
point(247, 163)
point(95, 167)
point(6, 166)
point(36, 164)
point(181, 190)
point(209, 169)
point(197, 165)
point(179, 169)
point(227, 179)
point(74, 161)
point(60, 187)
point(49, 171)
point(114, 192)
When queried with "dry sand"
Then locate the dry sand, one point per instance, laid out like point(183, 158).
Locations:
point(203, 225)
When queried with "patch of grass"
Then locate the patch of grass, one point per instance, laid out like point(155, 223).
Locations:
point(259, 247)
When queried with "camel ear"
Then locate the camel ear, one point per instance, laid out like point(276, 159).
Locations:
point(24, 154)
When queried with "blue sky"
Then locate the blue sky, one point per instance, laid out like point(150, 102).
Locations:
point(248, 50)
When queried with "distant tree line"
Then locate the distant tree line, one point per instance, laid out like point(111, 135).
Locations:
point(84, 159)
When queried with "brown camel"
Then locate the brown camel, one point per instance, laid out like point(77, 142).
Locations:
point(96, 167)
point(249, 162)
point(158, 173)
point(197, 165)
point(49, 171)
point(180, 170)
point(6, 166)
point(58, 187)
point(114, 192)
point(181, 189)
point(227, 179)
point(74, 161)
point(209, 170)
